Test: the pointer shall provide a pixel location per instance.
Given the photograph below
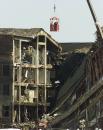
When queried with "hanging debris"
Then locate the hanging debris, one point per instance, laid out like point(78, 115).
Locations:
point(54, 22)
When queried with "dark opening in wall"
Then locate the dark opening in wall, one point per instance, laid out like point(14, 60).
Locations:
point(41, 38)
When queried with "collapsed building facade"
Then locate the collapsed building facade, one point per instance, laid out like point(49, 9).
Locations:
point(27, 73)
point(39, 76)
point(80, 99)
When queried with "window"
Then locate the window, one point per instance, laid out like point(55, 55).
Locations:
point(5, 111)
point(6, 70)
point(41, 38)
point(6, 89)
point(22, 91)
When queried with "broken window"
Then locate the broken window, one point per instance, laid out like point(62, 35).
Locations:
point(28, 94)
point(28, 53)
point(41, 38)
point(32, 95)
point(6, 70)
point(5, 111)
point(17, 74)
point(51, 57)
point(41, 95)
point(48, 76)
point(22, 91)
point(17, 51)
point(16, 115)
point(28, 75)
point(41, 76)
point(52, 75)
point(16, 93)
point(6, 89)
point(41, 54)
point(48, 57)
point(24, 94)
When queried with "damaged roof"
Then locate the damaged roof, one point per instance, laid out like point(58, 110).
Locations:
point(71, 47)
point(20, 32)
point(71, 73)
point(75, 53)
point(29, 33)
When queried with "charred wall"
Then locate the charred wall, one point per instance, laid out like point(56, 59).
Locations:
point(86, 96)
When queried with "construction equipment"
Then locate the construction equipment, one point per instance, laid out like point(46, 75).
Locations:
point(99, 30)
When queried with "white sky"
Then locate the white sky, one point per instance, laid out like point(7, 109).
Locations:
point(76, 23)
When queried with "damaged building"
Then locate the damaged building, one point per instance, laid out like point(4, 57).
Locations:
point(79, 103)
point(40, 77)
point(27, 74)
